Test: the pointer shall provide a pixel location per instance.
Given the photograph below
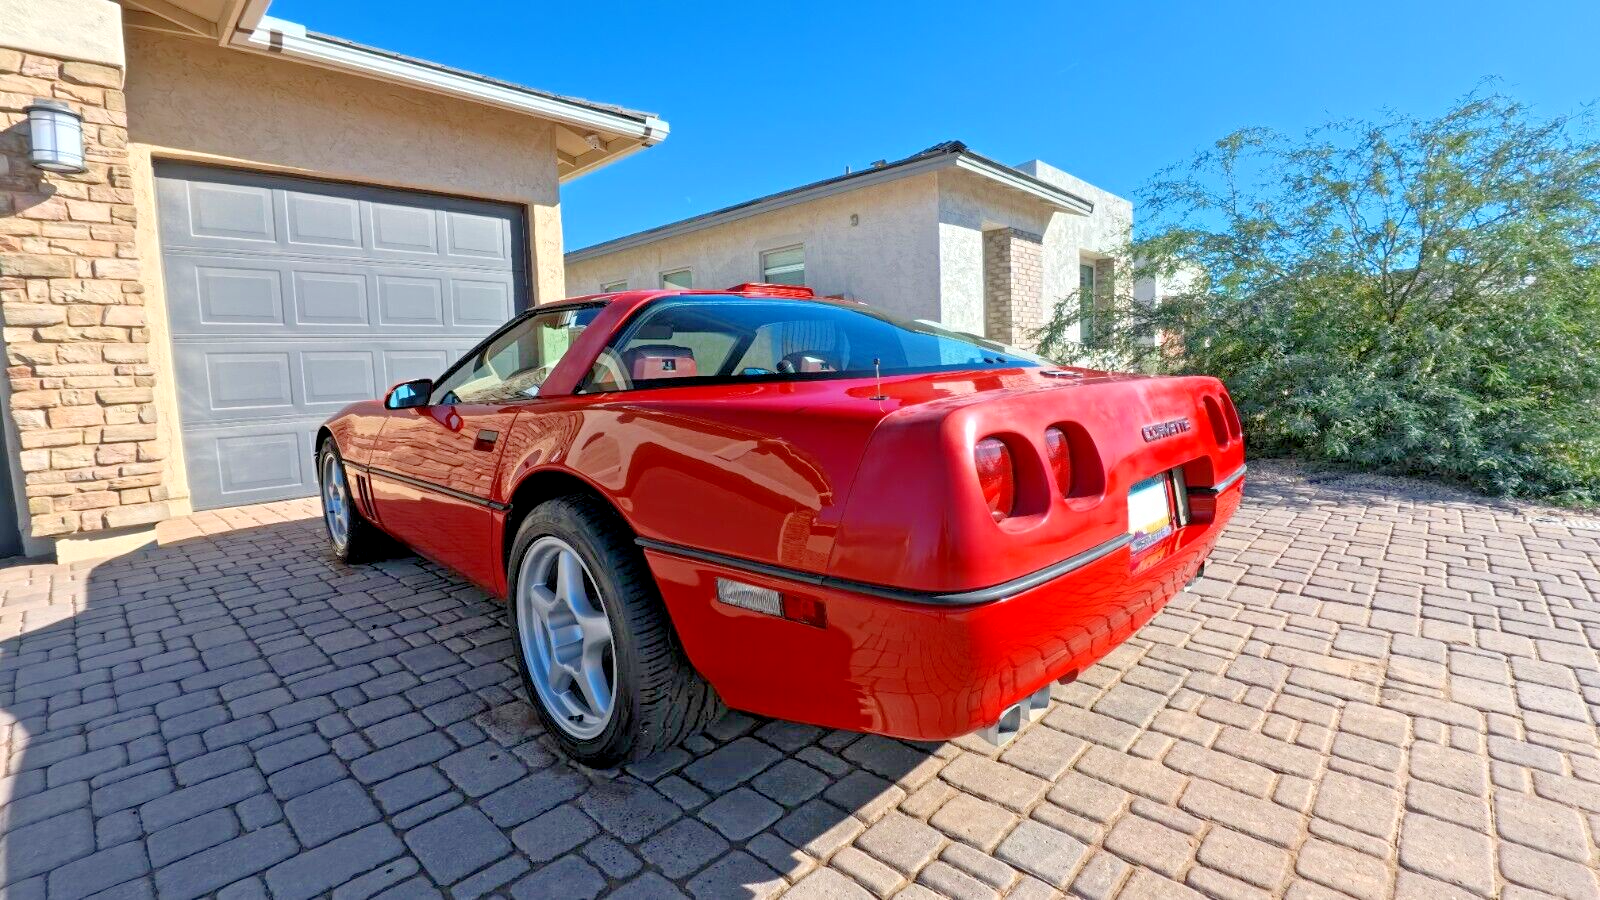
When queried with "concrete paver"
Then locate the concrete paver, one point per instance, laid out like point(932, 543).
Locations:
point(1381, 688)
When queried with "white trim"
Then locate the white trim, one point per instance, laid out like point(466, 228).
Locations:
point(1058, 198)
point(614, 287)
point(277, 37)
point(1025, 183)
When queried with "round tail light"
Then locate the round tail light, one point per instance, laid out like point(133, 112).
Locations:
point(996, 476)
point(1058, 453)
point(1232, 413)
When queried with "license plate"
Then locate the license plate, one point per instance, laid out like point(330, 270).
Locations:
point(1149, 512)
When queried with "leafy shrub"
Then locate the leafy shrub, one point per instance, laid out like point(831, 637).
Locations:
point(1420, 297)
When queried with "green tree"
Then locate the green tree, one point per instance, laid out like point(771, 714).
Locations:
point(1414, 296)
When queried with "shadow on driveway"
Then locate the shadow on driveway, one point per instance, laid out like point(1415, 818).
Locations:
point(238, 713)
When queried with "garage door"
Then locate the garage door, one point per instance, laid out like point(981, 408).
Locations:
point(290, 298)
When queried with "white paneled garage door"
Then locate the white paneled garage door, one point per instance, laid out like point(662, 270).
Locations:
point(289, 298)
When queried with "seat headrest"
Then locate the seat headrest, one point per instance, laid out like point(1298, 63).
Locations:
point(654, 361)
point(806, 361)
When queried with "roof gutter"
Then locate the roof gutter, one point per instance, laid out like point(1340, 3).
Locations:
point(276, 37)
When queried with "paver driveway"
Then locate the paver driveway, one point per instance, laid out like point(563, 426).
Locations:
point(1377, 689)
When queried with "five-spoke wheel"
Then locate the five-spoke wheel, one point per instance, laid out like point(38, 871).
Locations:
point(565, 638)
point(335, 500)
point(598, 654)
point(352, 538)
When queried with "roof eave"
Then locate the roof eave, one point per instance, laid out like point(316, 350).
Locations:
point(276, 37)
point(1041, 190)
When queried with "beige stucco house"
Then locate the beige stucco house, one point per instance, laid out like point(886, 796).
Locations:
point(946, 235)
point(270, 223)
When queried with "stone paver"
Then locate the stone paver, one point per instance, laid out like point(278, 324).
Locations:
point(1380, 688)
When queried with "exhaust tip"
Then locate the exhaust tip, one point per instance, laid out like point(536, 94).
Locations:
point(1029, 709)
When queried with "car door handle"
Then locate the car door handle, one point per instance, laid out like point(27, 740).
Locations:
point(486, 439)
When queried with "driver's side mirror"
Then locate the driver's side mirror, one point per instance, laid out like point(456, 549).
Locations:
point(409, 394)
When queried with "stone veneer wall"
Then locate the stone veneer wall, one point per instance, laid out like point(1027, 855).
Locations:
point(1013, 286)
point(77, 349)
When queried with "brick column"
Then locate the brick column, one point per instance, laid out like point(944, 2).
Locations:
point(77, 350)
point(1013, 286)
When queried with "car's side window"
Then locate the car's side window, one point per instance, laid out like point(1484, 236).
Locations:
point(514, 364)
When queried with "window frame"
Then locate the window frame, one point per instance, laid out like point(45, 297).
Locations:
point(477, 349)
point(761, 263)
point(681, 270)
point(613, 287)
point(1088, 303)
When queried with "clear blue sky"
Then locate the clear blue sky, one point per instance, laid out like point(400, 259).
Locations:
point(765, 96)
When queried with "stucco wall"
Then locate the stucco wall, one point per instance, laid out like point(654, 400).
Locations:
point(889, 258)
point(86, 30)
point(193, 100)
point(968, 204)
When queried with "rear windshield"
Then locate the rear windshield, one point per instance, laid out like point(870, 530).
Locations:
point(712, 338)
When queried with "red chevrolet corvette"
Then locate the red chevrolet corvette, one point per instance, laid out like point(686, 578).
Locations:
point(798, 507)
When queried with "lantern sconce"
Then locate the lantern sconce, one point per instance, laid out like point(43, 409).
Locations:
point(56, 131)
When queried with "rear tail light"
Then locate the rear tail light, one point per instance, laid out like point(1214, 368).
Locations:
point(997, 476)
point(1058, 451)
point(1232, 413)
point(1219, 423)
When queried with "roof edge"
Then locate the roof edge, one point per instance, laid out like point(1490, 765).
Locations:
point(277, 37)
point(951, 154)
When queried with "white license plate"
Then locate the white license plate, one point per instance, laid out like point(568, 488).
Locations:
point(1149, 512)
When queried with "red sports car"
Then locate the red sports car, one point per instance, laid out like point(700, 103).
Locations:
point(799, 507)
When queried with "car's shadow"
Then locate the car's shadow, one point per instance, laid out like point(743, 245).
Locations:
point(241, 710)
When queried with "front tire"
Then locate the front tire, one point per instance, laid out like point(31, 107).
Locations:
point(596, 650)
point(351, 537)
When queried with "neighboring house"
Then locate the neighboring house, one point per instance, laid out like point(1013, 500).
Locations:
point(946, 235)
point(271, 223)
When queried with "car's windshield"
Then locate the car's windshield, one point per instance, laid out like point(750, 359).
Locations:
point(515, 364)
point(697, 339)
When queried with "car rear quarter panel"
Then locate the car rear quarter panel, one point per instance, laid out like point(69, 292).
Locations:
point(742, 472)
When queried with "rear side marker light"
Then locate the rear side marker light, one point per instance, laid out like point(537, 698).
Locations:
point(1059, 453)
point(805, 610)
point(997, 476)
point(748, 596)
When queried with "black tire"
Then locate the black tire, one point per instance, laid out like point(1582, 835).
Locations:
point(363, 542)
point(659, 699)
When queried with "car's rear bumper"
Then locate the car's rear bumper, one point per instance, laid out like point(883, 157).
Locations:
point(922, 671)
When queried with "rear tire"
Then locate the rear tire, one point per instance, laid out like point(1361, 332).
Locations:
point(351, 537)
point(608, 628)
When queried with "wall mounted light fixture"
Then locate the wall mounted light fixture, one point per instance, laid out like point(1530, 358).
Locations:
point(56, 132)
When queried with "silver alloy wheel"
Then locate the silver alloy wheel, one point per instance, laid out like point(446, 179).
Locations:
point(566, 638)
point(335, 500)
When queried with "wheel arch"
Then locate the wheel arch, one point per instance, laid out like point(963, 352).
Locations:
point(547, 484)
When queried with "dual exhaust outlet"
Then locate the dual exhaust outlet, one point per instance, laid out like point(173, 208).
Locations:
point(1029, 709)
point(1032, 707)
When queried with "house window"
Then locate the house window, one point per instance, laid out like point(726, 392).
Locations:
point(678, 279)
point(613, 287)
point(786, 265)
point(1086, 305)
